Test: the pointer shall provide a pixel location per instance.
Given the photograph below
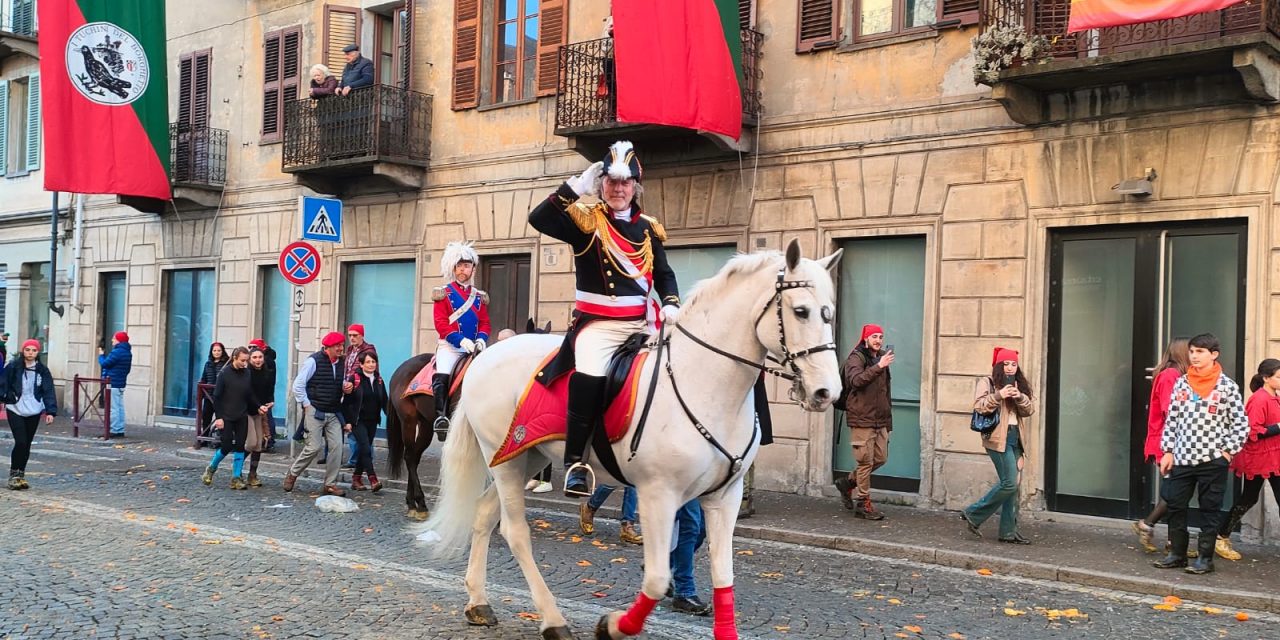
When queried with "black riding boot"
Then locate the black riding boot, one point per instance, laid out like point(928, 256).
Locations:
point(584, 412)
point(1204, 563)
point(1177, 557)
point(440, 390)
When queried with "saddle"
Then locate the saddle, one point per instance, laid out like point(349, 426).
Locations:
point(421, 383)
point(542, 411)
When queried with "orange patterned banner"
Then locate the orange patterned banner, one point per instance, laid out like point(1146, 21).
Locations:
point(1093, 14)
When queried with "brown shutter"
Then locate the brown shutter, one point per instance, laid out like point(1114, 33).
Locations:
point(966, 11)
point(290, 65)
point(271, 87)
point(200, 88)
point(817, 24)
point(466, 53)
point(553, 32)
point(745, 11)
point(185, 64)
point(341, 28)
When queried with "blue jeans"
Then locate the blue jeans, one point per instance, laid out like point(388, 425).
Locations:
point(628, 501)
point(689, 535)
point(1004, 495)
point(117, 410)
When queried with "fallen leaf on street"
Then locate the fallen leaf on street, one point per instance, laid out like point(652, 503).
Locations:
point(913, 628)
point(1008, 611)
point(984, 572)
point(1211, 611)
point(368, 529)
point(600, 594)
point(211, 542)
point(771, 574)
point(588, 581)
point(183, 500)
point(894, 601)
point(782, 628)
point(1242, 616)
point(1164, 607)
point(575, 539)
point(359, 567)
point(528, 615)
point(748, 552)
point(1174, 600)
point(584, 563)
point(955, 635)
point(277, 618)
point(619, 561)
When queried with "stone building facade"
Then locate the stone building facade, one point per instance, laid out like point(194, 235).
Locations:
point(972, 216)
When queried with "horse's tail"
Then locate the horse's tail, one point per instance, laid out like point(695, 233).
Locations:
point(463, 474)
point(395, 439)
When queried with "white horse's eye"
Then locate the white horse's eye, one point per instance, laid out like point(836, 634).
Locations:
point(802, 312)
point(827, 314)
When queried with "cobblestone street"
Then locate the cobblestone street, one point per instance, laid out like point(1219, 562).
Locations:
point(124, 542)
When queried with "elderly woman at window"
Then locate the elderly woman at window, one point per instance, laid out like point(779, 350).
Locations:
point(323, 84)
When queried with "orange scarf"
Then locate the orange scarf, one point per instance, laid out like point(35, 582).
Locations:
point(1203, 381)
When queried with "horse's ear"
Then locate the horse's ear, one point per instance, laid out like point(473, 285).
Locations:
point(832, 261)
point(529, 326)
point(547, 328)
point(793, 254)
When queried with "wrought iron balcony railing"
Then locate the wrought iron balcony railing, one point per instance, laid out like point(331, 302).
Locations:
point(588, 98)
point(381, 123)
point(1049, 19)
point(197, 155)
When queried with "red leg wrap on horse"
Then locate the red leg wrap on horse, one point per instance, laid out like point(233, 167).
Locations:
point(725, 626)
point(632, 622)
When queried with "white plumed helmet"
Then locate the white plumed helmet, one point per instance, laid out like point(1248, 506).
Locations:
point(454, 253)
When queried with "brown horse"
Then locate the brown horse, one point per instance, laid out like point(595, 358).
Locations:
point(409, 430)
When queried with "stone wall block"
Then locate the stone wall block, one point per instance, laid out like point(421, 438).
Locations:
point(995, 201)
point(1142, 149)
point(877, 184)
point(958, 316)
point(769, 182)
point(728, 202)
point(965, 477)
point(1221, 162)
point(1180, 176)
point(955, 394)
point(675, 199)
point(556, 287)
point(906, 183)
point(970, 356)
point(945, 168)
point(1071, 158)
point(700, 188)
point(1105, 167)
point(1261, 156)
point(782, 466)
point(1002, 317)
point(817, 181)
point(969, 278)
point(769, 215)
point(1004, 239)
point(848, 181)
point(789, 420)
point(961, 240)
point(954, 433)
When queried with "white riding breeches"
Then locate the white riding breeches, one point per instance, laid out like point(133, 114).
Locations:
point(447, 356)
point(596, 343)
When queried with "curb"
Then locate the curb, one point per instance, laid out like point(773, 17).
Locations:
point(901, 551)
point(91, 441)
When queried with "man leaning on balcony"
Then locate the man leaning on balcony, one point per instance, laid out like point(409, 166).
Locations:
point(358, 73)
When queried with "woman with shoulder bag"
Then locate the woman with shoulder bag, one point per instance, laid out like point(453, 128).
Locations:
point(262, 386)
point(1007, 394)
point(26, 390)
point(363, 409)
point(1171, 367)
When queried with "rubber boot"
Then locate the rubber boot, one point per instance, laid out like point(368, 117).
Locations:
point(440, 392)
point(584, 412)
point(1204, 563)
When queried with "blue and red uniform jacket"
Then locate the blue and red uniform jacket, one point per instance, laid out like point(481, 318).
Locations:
point(472, 324)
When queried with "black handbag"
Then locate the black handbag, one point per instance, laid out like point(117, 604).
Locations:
point(984, 422)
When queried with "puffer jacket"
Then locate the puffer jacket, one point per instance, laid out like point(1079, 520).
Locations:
point(116, 365)
point(868, 405)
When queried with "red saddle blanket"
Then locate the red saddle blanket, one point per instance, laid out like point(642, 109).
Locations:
point(542, 411)
point(421, 383)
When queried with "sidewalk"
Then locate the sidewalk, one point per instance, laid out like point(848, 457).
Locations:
point(1092, 552)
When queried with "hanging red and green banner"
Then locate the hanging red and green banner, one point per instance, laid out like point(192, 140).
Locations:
point(679, 64)
point(1095, 14)
point(105, 102)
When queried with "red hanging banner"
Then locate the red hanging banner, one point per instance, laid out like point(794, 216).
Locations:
point(1094, 14)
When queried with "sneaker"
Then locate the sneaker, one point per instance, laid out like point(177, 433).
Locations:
point(532, 484)
point(691, 605)
point(586, 518)
point(543, 487)
point(238, 484)
point(1144, 532)
point(629, 535)
point(867, 510)
point(254, 480)
point(14, 483)
point(207, 478)
point(1222, 547)
point(845, 487)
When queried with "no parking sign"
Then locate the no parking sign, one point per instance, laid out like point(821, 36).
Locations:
point(299, 263)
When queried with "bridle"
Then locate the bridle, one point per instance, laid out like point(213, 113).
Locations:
point(788, 360)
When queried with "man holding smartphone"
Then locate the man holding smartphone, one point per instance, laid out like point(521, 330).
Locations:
point(869, 415)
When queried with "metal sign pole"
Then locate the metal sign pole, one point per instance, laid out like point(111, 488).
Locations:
point(295, 343)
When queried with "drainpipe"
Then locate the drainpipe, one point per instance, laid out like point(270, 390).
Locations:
point(78, 239)
point(53, 257)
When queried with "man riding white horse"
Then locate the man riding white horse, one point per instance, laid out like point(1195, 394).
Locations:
point(462, 319)
point(619, 259)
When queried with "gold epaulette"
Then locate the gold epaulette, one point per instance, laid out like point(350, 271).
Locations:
point(584, 216)
point(438, 294)
point(483, 295)
point(658, 229)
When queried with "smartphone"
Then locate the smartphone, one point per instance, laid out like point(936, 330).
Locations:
point(888, 348)
point(1008, 379)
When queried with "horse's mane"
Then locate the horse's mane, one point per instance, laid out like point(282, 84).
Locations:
point(742, 263)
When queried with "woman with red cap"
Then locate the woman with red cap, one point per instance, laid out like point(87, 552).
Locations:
point(1008, 394)
point(116, 366)
point(1171, 367)
point(26, 390)
point(1259, 461)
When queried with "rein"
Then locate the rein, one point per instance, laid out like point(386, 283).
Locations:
point(789, 359)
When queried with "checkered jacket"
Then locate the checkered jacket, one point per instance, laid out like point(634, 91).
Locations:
point(1200, 429)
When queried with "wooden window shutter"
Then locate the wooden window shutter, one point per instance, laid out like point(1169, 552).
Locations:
point(745, 11)
point(290, 66)
point(966, 11)
point(4, 126)
point(553, 31)
point(33, 122)
point(817, 25)
point(341, 28)
point(185, 66)
point(466, 53)
point(200, 89)
point(271, 88)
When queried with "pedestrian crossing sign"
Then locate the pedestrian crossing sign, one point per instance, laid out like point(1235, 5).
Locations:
point(321, 218)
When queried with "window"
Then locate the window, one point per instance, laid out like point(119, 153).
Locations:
point(114, 292)
point(275, 310)
point(189, 307)
point(506, 280)
point(193, 88)
point(341, 28)
point(518, 61)
point(819, 21)
point(384, 37)
point(404, 46)
point(746, 13)
point(281, 76)
point(19, 125)
point(38, 275)
point(22, 17)
point(380, 296)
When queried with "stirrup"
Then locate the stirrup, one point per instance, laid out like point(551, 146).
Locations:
point(441, 427)
point(591, 480)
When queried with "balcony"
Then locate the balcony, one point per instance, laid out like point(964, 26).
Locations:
point(587, 107)
point(197, 169)
point(1231, 56)
point(18, 29)
point(373, 141)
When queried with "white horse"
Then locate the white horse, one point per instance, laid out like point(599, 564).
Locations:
point(700, 439)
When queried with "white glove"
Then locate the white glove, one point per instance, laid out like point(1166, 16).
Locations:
point(670, 314)
point(586, 183)
point(468, 345)
point(480, 345)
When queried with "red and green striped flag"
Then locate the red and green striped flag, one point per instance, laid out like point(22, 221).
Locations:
point(105, 98)
point(679, 64)
point(1095, 14)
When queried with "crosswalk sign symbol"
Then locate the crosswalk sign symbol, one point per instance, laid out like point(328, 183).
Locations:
point(321, 218)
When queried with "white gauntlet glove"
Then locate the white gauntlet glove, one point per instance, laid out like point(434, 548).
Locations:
point(480, 345)
point(586, 183)
point(468, 345)
point(670, 314)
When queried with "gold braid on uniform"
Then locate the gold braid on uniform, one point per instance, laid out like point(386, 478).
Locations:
point(600, 225)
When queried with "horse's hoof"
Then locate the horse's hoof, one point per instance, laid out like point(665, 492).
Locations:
point(602, 628)
point(557, 633)
point(423, 514)
point(481, 616)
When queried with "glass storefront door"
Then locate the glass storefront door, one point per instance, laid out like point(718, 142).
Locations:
point(190, 299)
point(380, 295)
point(276, 309)
point(1117, 297)
point(114, 300)
point(882, 282)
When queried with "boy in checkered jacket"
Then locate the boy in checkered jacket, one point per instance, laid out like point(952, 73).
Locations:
point(1206, 426)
